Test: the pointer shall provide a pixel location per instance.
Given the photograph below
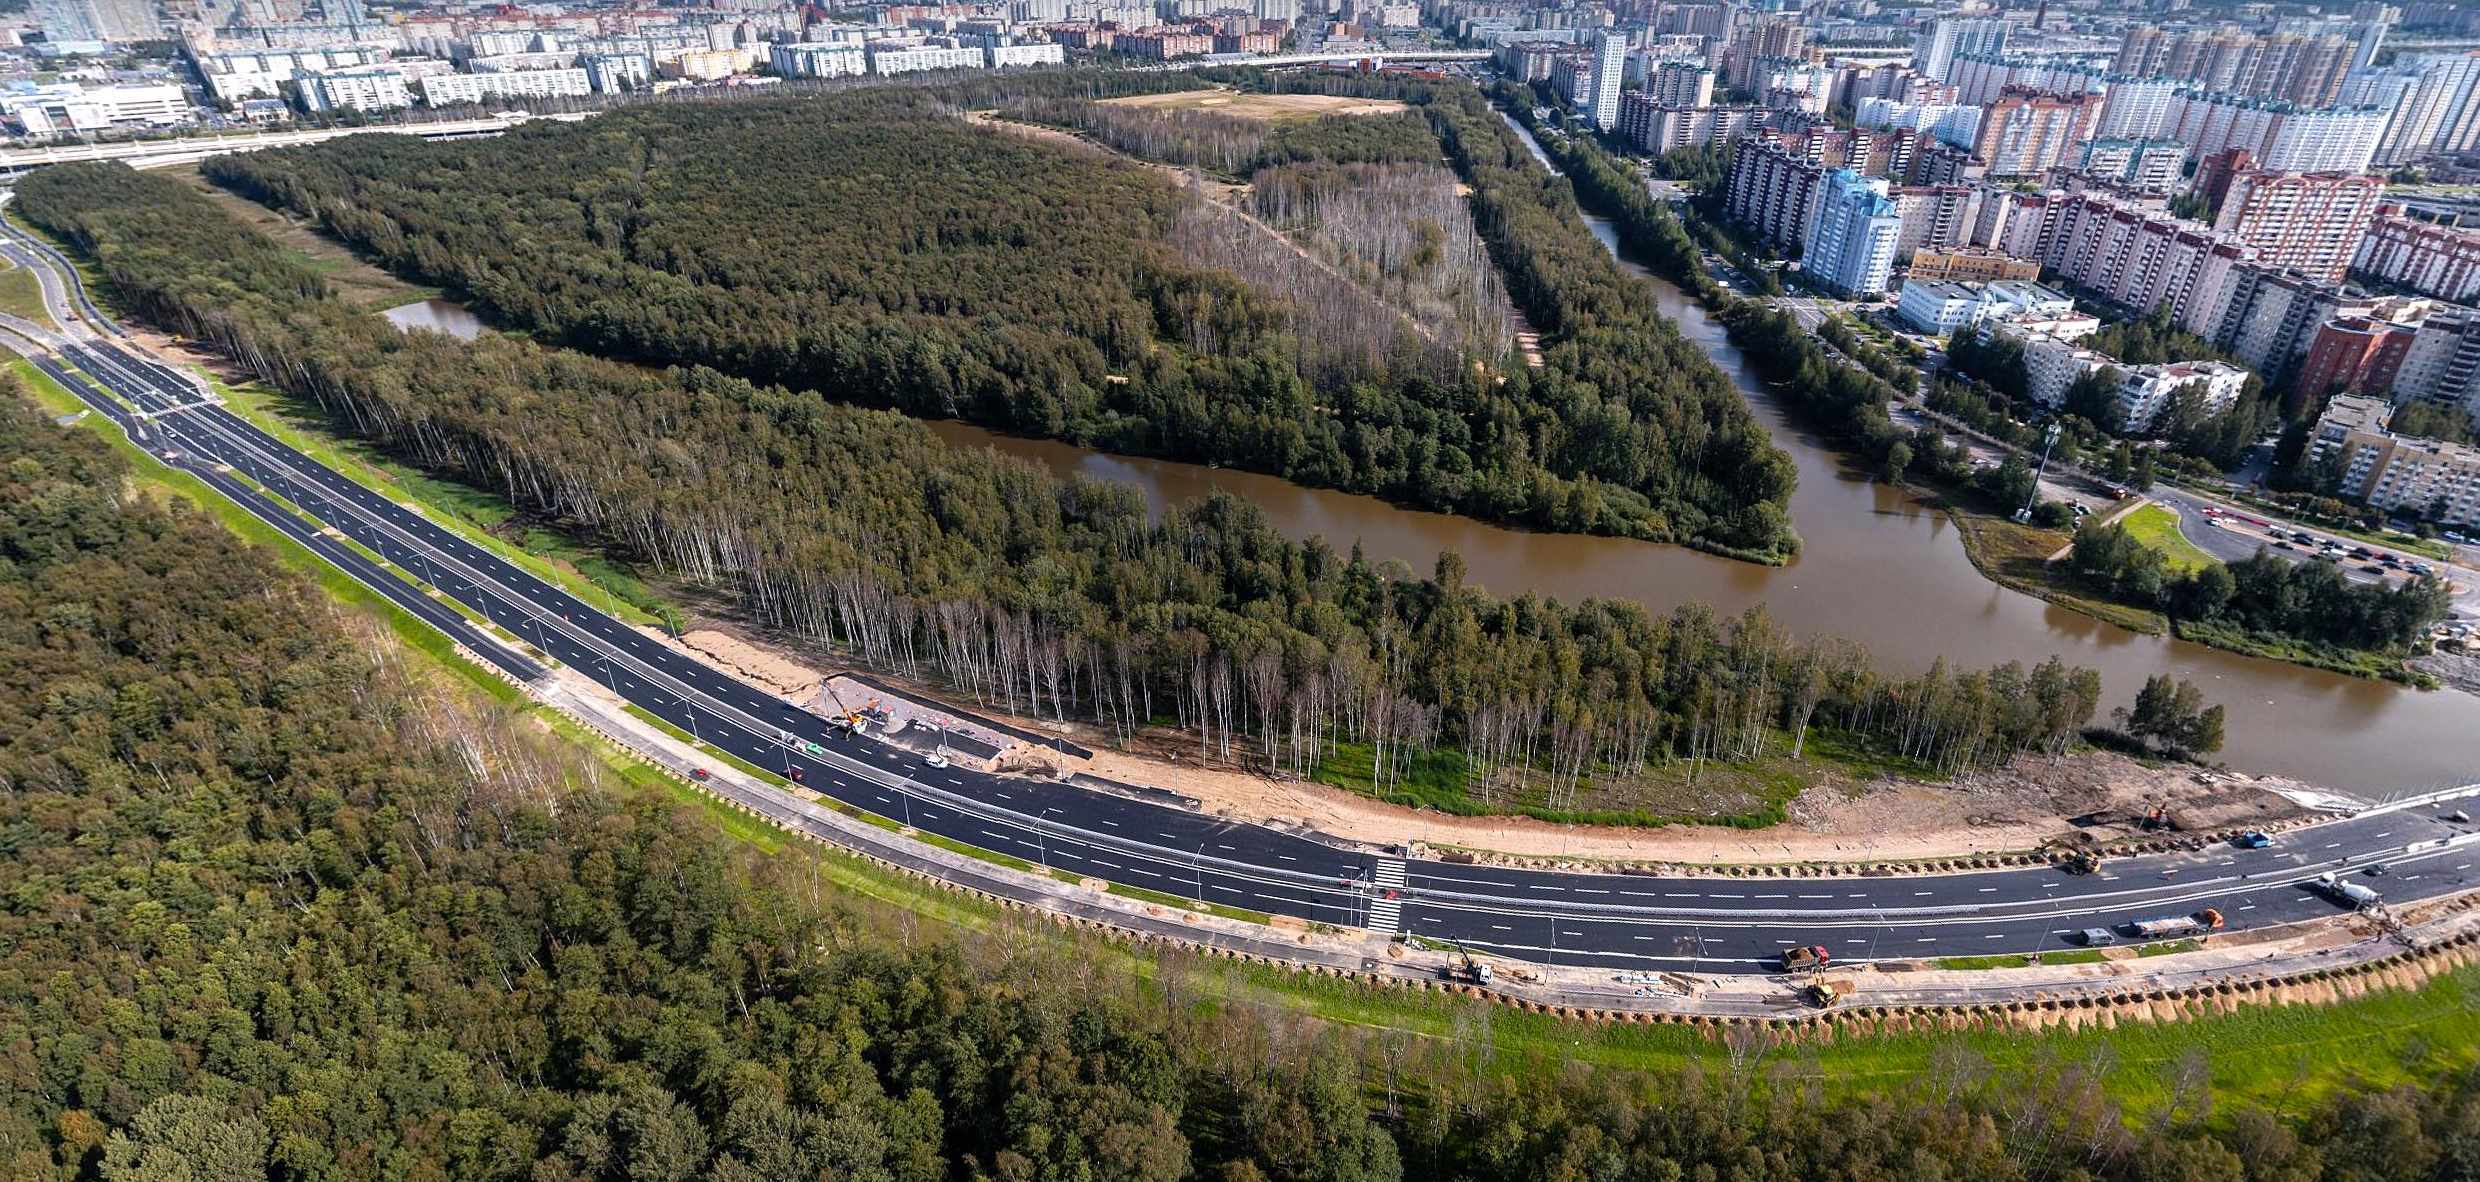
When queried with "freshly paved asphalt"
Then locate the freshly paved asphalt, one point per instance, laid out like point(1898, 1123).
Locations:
point(1710, 924)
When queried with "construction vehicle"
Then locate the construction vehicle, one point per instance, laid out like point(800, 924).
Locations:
point(2207, 920)
point(2344, 891)
point(1812, 957)
point(845, 718)
point(1464, 967)
point(2082, 862)
point(1824, 992)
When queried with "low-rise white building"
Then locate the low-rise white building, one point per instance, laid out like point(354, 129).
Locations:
point(888, 60)
point(441, 90)
point(2149, 389)
point(66, 108)
point(369, 88)
point(1000, 57)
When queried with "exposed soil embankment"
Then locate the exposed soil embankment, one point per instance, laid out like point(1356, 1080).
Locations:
point(2017, 808)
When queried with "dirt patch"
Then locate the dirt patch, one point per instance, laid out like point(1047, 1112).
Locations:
point(355, 281)
point(770, 669)
point(1263, 107)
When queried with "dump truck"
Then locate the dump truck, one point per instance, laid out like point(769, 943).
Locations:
point(2344, 891)
point(1811, 957)
point(2207, 920)
point(1824, 993)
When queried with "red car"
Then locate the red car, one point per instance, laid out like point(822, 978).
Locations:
point(699, 772)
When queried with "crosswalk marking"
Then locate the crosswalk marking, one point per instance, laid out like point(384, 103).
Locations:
point(1386, 914)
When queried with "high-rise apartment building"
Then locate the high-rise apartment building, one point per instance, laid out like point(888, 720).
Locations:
point(2150, 166)
point(2432, 103)
point(1858, 228)
point(2278, 135)
point(1681, 84)
point(1773, 193)
point(1609, 71)
point(2443, 363)
point(1947, 38)
point(2312, 222)
point(2434, 260)
point(2135, 108)
point(2026, 133)
point(2358, 354)
point(98, 20)
point(2304, 68)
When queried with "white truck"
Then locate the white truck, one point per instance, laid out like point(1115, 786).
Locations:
point(2344, 891)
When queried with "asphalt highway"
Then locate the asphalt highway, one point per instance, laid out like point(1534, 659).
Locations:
point(1712, 924)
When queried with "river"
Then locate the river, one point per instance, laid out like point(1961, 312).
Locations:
point(1876, 566)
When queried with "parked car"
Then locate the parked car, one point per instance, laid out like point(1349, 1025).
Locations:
point(2283, 546)
point(2254, 840)
point(935, 759)
point(2097, 937)
point(2362, 552)
point(2389, 560)
point(2303, 537)
point(699, 772)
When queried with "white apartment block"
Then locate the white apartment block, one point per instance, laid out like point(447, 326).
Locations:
point(999, 57)
point(2153, 166)
point(442, 90)
point(888, 60)
point(2149, 389)
point(232, 77)
point(1657, 129)
point(2136, 108)
point(2281, 137)
point(369, 88)
point(818, 59)
point(612, 73)
point(1951, 123)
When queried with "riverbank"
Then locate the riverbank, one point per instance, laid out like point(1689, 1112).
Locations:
point(2012, 555)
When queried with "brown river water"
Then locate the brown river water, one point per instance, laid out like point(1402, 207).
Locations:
point(1877, 566)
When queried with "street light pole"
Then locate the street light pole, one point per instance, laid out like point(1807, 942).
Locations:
point(2049, 439)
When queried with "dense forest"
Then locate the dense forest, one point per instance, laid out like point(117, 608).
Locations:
point(874, 247)
point(275, 910)
point(1044, 596)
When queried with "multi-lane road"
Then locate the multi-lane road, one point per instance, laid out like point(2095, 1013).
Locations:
point(1709, 923)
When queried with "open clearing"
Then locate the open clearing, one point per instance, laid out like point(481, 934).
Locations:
point(1265, 107)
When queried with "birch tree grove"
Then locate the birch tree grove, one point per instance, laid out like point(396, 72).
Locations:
point(1040, 596)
